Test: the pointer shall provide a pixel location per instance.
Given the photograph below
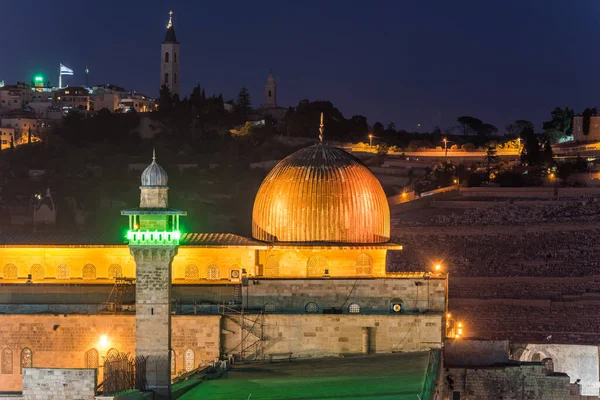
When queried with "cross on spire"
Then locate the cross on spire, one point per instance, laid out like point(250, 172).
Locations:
point(170, 24)
point(321, 126)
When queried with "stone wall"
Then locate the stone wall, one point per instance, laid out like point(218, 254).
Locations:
point(579, 362)
point(64, 341)
point(372, 295)
point(524, 381)
point(51, 384)
point(475, 353)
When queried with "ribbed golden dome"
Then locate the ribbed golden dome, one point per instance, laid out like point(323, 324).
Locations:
point(321, 194)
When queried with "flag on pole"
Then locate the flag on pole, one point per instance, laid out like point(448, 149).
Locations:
point(65, 71)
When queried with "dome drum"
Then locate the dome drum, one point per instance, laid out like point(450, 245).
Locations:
point(321, 194)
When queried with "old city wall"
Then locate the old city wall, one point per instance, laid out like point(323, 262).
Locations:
point(49, 384)
point(372, 295)
point(339, 262)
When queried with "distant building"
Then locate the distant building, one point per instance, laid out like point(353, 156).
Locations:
point(6, 136)
point(14, 97)
point(22, 123)
point(73, 97)
point(270, 107)
point(594, 133)
point(270, 92)
point(169, 66)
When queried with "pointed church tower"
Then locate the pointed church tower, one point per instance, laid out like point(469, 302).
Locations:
point(169, 65)
point(270, 92)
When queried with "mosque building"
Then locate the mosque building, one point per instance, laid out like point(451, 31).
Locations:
point(310, 282)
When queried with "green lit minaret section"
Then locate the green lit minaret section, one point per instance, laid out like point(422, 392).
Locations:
point(153, 237)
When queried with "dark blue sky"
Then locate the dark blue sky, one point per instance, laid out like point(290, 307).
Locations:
point(404, 61)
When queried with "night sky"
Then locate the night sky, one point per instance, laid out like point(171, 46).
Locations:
point(409, 62)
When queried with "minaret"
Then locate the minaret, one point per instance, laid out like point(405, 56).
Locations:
point(169, 63)
point(270, 92)
point(153, 242)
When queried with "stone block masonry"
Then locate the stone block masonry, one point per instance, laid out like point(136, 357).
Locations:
point(54, 384)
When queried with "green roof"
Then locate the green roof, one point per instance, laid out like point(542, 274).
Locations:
point(382, 377)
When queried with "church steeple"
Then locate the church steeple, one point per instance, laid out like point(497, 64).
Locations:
point(169, 67)
point(270, 92)
point(170, 34)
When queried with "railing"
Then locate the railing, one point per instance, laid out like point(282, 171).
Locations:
point(431, 376)
point(122, 372)
point(153, 237)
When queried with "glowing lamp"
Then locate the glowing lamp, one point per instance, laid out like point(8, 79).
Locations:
point(438, 267)
point(460, 324)
point(448, 315)
point(38, 79)
point(103, 341)
point(459, 331)
point(457, 336)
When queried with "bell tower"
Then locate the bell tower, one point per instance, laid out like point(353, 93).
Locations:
point(270, 92)
point(153, 237)
point(169, 63)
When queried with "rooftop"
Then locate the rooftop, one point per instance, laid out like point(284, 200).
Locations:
point(396, 376)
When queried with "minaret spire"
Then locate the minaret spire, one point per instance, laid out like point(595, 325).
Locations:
point(170, 24)
point(321, 126)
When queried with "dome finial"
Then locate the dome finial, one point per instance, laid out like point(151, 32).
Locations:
point(153, 154)
point(170, 24)
point(321, 126)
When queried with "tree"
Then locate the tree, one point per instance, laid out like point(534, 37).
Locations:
point(561, 124)
point(587, 116)
point(516, 128)
point(485, 130)
point(490, 157)
point(469, 125)
point(531, 154)
point(378, 129)
point(165, 99)
point(243, 104)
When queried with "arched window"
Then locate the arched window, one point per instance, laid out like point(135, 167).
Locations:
point(10, 271)
point(269, 307)
point(88, 271)
point(364, 264)
point(190, 363)
point(26, 358)
point(354, 308)
point(91, 358)
point(112, 354)
point(175, 78)
point(62, 271)
point(192, 272)
point(272, 266)
point(166, 78)
point(269, 93)
point(7, 361)
point(175, 57)
point(173, 364)
point(115, 271)
point(536, 357)
point(316, 266)
point(212, 272)
point(37, 272)
point(311, 307)
point(167, 56)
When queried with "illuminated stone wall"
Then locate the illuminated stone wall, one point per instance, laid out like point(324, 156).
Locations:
point(77, 264)
point(372, 295)
point(50, 384)
point(305, 261)
point(64, 341)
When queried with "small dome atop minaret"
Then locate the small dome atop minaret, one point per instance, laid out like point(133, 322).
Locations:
point(154, 174)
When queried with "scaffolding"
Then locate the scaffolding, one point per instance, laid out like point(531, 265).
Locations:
point(252, 339)
point(114, 303)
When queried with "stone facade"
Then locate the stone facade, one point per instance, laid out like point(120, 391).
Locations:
point(371, 295)
point(510, 382)
point(153, 312)
point(73, 341)
point(579, 362)
point(51, 384)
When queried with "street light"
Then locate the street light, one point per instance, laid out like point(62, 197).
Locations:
point(371, 139)
point(445, 147)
